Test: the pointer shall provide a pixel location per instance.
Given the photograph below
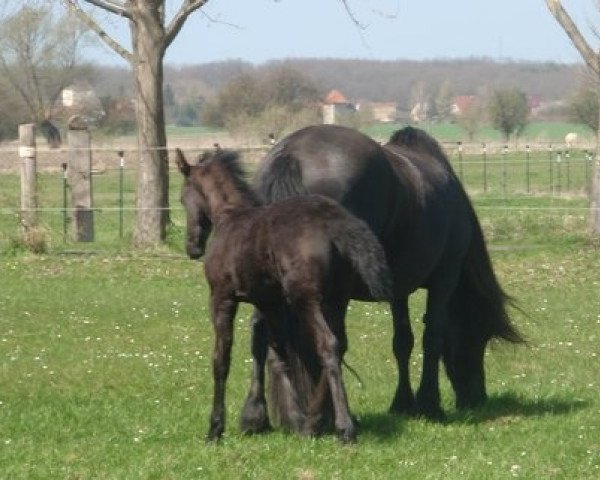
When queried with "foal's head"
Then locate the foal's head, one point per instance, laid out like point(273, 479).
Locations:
point(215, 184)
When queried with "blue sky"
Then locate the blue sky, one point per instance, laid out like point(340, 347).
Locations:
point(261, 30)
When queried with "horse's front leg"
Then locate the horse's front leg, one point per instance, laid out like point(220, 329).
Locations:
point(255, 418)
point(223, 313)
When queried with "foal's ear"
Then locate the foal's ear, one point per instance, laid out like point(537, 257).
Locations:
point(182, 164)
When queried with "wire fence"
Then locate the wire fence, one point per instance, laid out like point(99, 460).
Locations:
point(501, 182)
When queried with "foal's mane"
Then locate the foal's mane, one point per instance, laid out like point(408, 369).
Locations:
point(230, 162)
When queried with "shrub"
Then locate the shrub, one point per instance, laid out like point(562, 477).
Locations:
point(33, 239)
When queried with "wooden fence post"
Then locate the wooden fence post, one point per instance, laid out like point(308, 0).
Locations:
point(80, 181)
point(29, 197)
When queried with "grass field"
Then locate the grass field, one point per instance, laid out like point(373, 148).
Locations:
point(447, 132)
point(535, 132)
point(106, 374)
point(105, 356)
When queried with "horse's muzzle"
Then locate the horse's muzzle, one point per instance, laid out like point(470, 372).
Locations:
point(194, 252)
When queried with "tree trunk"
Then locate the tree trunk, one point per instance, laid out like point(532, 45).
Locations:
point(592, 59)
point(153, 170)
point(595, 193)
point(150, 37)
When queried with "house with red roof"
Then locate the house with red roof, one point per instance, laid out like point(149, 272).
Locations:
point(336, 105)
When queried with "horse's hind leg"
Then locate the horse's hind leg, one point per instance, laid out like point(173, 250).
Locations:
point(320, 413)
point(436, 319)
point(327, 348)
point(255, 418)
point(403, 343)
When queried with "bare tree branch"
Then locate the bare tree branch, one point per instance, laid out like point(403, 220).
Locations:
point(17, 85)
point(118, 8)
point(212, 19)
point(352, 16)
point(562, 17)
point(96, 28)
point(187, 8)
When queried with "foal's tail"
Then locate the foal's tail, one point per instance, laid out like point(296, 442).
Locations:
point(358, 244)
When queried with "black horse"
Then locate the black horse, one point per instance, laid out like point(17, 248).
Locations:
point(282, 255)
point(407, 192)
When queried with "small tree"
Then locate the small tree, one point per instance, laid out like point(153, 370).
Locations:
point(420, 104)
point(38, 58)
point(583, 107)
point(471, 117)
point(281, 93)
point(242, 95)
point(509, 110)
point(119, 118)
point(186, 114)
point(444, 101)
point(290, 87)
point(11, 113)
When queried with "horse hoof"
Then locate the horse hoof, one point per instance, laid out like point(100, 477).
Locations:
point(255, 419)
point(403, 402)
point(214, 434)
point(470, 403)
point(212, 438)
point(253, 426)
point(431, 413)
point(347, 435)
point(404, 406)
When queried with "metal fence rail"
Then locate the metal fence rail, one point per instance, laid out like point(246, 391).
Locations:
point(490, 179)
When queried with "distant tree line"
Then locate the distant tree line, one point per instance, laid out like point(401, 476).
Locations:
point(256, 100)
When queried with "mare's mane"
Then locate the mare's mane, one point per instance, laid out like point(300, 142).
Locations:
point(415, 146)
point(419, 140)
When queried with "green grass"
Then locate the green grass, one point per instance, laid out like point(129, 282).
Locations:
point(106, 371)
point(553, 132)
point(539, 182)
point(106, 374)
point(178, 131)
point(535, 132)
point(105, 354)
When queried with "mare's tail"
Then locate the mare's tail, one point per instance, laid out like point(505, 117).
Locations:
point(479, 304)
point(477, 314)
point(478, 307)
point(358, 244)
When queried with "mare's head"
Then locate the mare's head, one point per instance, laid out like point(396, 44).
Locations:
point(212, 186)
